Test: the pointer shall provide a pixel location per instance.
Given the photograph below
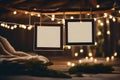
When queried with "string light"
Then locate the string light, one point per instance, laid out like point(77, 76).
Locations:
point(119, 11)
point(107, 21)
point(115, 54)
point(95, 43)
point(29, 27)
point(110, 16)
point(113, 19)
point(15, 26)
point(38, 15)
point(97, 6)
point(80, 61)
point(99, 33)
point(101, 24)
point(81, 50)
point(95, 19)
point(15, 12)
point(63, 21)
point(76, 54)
point(107, 59)
point(26, 12)
point(90, 54)
point(53, 17)
point(105, 15)
point(71, 17)
point(69, 47)
point(108, 32)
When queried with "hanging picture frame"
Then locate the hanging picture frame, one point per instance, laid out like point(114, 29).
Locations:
point(48, 37)
point(79, 32)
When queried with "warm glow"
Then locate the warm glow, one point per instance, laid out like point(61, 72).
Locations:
point(15, 26)
point(110, 16)
point(107, 59)
point(97, 6)
point(26, 12)
point(63, 21)
point(80, 61)
point(95, 43)
point(119, 11)
point(31, 14)
point(81, 50)
point(58, 22)
point(69, 63)
point(95, 60)
point(95, 19)
point(71, 17)
point(2, 24)
point(88, 14)
point(12, 28)
point(69, 47)
point(108, 32)
point(101, 24)
point(76, 54)
point(53, 17)
point(73, 64)
point(105, 15)
point(90, 54)
point(15, 12)
point(107, 21)
point(29, 27)
point(99, 21)
point(112, 58)
point(99, 33)
point(86, 58)
point(91, 58)
point(115, 54)
point(114, 19)
point(38, 15)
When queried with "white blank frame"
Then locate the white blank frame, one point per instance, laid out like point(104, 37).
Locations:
point(80, 32)
point(48, 37)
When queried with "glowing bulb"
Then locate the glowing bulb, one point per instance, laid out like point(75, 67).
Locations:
point(105, 15)
point(95, 19)
point(112, 58)
point(53, 17)
point(76, 54)
point(108, 32)
point(63, 21)
point(115, 54)
point(69, 47)
point(95, 43)
point(2, 24)
point(91, 58)
point(71, 17)
point(30, 27)
point(12, 28)
point(86, 58)
point(88, 14)
point(26, 12)
point(58, 22)
point(15, 26)
point(114, 19)
point(110, 16)
point(81, 50)
point(69, 63)
point(107, 21)
point(99, 21)
point(90, 54)
point(15, 12)
point(38, 15)
point(99, 33)
point(73, 64)
point(95, 60)
point(80, 61)
point(97, 6)
point(107, 59)
point(31, 14)
point(101, 24)
point(119, 11)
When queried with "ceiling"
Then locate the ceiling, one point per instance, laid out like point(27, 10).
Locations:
point(41, 6)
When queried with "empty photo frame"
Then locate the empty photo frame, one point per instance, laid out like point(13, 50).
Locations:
point(79, 32)
point(48, 37)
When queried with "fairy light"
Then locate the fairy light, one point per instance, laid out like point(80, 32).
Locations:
point(112, 58)
point(110, 16)
point(15, 12)
point(99, 21)
point(101, 24)
point(31, 14)
point(69, 63)
point(76, 54)
point(71, 17)
point(107, 21)
point(95, 19)
point(12, 28)
point(29, 27)
point(99, 33)
point(108, 32)
point(15, 26)
point(97, 6)
point(107, 59)
point(69, 47)
point(119, 11)
point(81, 50)
point(88, 14)
point(115, 54)
point(26, 12)
point(95, 60)
point(80, 61)
point(91, 58)
point(73, 64)
point(63, 21)
point(86, 58)
point(90, 54)
point(95, 43)
point(38, 15)
point(113, 19)
point(105, 15)
point(53, 17)
point(2, 24)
